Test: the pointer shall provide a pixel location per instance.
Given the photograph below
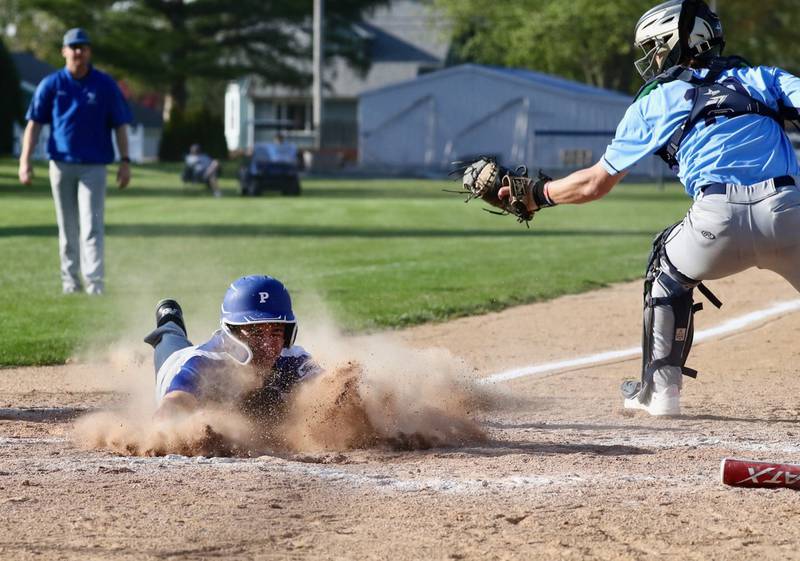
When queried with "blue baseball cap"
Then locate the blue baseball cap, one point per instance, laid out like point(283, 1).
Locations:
point(76, 36)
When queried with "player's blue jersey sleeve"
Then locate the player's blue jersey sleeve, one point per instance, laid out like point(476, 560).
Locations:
point(40, 109)
point(120, 113)
point(646, 127)
point(787, 88)
point(188, 377)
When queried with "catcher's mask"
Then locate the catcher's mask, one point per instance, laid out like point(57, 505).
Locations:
point(258, 299)
point(675, 32)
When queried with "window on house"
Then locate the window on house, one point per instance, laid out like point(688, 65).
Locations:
point(297, 113)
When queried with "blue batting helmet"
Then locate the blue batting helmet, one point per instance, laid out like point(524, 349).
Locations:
point(259, 299)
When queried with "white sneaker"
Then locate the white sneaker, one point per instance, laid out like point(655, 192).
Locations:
point(666, 402)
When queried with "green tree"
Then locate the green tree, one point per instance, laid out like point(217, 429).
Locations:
point(592, 42)
point(165, 43)
point(11, 110)
point(763, 32)
point(584, 40)
point(183, 129)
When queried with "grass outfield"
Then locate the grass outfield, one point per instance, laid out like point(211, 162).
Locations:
point(372, 253)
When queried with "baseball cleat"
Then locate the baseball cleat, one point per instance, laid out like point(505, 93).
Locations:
point(168, 310)
point(666, 402)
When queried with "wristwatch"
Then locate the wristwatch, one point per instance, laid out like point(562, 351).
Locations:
point(125, 160)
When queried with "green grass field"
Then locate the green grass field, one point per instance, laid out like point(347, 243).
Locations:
point(371, 253)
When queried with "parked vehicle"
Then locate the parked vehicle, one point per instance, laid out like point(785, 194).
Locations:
point(272, 167)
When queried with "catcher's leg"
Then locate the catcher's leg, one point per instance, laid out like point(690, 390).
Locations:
point(666, 336)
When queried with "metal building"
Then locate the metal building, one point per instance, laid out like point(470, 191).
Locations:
point(516, 115)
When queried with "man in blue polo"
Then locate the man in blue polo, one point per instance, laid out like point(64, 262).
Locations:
point(82, 106)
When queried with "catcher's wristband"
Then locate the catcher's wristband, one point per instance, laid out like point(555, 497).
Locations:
point(539, 191)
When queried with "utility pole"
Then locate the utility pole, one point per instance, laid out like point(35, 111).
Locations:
point(319, 40)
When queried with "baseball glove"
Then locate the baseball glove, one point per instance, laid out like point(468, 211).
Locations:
point(484, 179)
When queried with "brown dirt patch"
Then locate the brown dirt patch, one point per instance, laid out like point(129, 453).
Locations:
point(562, 473)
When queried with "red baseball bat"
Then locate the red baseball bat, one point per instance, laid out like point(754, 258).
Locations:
point(750, 473)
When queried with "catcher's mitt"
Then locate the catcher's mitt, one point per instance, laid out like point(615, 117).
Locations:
point(484, 179)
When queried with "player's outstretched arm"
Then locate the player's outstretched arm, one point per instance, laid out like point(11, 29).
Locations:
point(582, 186)
point(175, 404)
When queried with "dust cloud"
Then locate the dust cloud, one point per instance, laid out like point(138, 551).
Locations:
point(372, 392)
point(207, 432)
point(381, 392)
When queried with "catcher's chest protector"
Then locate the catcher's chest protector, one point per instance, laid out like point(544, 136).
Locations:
point(710, 100)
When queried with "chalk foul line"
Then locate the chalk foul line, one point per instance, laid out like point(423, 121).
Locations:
point(731, 326)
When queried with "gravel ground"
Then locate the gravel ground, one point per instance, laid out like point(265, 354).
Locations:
point(563, 472)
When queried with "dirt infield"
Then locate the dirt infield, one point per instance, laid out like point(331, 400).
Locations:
point(563, 474)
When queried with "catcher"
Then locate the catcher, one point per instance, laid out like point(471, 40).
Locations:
point(250, 361)
point(719, 123)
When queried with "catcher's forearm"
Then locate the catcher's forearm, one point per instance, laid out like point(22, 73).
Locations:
point(582, 186)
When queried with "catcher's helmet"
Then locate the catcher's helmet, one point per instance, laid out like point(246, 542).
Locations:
point(258, 299)
point(677, 31)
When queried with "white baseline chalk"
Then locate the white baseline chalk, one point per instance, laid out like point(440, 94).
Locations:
point(730, 326)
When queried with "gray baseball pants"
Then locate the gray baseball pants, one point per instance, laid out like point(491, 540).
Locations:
point(166, 340)
point(749, 226)
point(79, 192)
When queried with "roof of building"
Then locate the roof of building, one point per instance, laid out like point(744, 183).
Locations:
point(385, 46)
point(31, 70)
point(405, 39)
point(145, 115)
point(556, 81)
point(416, 23)
point(531, 77)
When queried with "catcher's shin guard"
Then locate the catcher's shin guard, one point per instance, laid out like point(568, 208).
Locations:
point(670, 292)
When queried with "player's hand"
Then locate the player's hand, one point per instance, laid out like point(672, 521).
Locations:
point(25, 173)
point(176, 404)
point(123, 175)
point(504, 194)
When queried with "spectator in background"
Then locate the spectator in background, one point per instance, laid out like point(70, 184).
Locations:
point(82, 106)
point(201, 168)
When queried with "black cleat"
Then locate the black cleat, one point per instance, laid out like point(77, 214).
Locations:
point(169, 310)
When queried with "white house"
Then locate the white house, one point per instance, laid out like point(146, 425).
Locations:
point(144, 134)
point(461, 112)
point(405, 39)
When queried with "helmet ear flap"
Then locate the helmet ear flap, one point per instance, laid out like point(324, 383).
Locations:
point(685, 26)
point(289, 334)
point(692, 12)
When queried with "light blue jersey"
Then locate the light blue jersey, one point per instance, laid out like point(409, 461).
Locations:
point(743, 150)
